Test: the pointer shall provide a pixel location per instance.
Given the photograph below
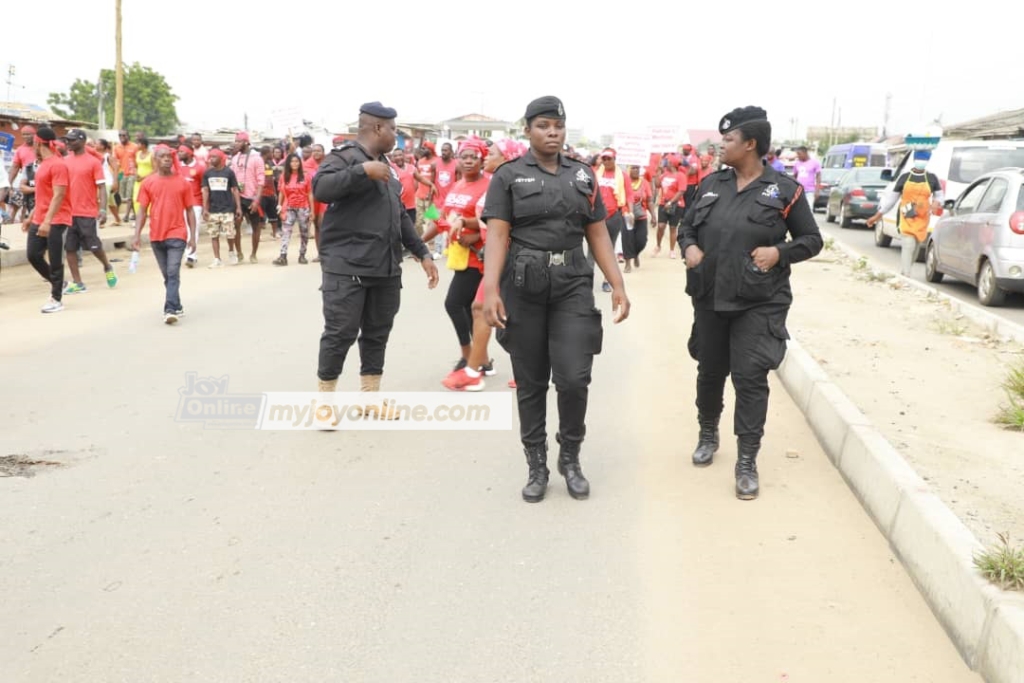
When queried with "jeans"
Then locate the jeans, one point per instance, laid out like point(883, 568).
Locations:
point(36, 250)
point(169, 254)
point(291, 217)
point(908, 252)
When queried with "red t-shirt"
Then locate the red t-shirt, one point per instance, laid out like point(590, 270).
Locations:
point(693, 172)
point(52, 172)
point(445, 178)
point(405, 176)
point(426, 169)
point(85, 172)
point(25, 156)
point(606, 181)
point(672, 183)
point(642, 194)
point(462, 200)
point(193, 175)
point(167, 198)
point(296, 193)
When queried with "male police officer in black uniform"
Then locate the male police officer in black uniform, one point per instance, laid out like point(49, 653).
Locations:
point(361, 242)
point(738, 260)
point(547, 203)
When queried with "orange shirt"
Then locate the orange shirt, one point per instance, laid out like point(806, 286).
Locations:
point(125, 155)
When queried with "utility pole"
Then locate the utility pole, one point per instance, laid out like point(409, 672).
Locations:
point(101, 116)
point(885, 124)
point(10, 80)
point(118, 74)
point(832, 127)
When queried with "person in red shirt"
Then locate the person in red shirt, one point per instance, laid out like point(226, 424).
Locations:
point(470, 377)
point(192, 170)
point(460, 222)
point(51, 218)
point(617, 194)
point(634, 238)
point(426, 165)
point(670, 203)
point(411, 178)
point(87, 193)
point(24, 157)
point(268, 197)
point(166, 200)
point(310, 166)
point(294, 203)
point(691, 165)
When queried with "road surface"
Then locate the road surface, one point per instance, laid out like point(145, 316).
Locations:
point(162, 551)
point(862, 238)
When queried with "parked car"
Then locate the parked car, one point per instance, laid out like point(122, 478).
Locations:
point(855, 196)
point(829, 177)
point(980, 239)
point(957, 164)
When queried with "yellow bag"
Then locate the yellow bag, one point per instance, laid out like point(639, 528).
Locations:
point(458, 256)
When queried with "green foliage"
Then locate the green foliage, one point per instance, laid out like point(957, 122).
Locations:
point(1011, 413)
point(148, 101)
point(1002, 564)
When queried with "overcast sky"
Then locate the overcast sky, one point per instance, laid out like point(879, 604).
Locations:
point(654, 63)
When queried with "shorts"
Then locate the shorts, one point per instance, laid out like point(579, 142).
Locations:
point(126, 188)
point(82, 234)
point(269, 204)
point(221, 224)
point(668, 215)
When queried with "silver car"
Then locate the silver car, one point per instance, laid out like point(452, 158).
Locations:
point(980, 239)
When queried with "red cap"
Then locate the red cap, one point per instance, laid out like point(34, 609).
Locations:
point(338, 139)
point(608, 152)
point(242, 137)
point(184, 148)
point(430, 145)
point(28, 130)
point(219, 153)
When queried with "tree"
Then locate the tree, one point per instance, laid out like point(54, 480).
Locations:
point(148, 101)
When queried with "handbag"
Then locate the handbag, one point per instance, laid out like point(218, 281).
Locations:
point(458, 256)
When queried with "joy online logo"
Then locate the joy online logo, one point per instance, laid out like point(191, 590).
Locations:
point(206, 400)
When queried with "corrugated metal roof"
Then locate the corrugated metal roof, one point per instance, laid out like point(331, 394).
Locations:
point(31, 112)
point(1005, 124)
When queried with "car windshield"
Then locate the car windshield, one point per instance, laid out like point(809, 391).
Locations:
point(866, 176)
point(970, 163)
point(832, 175)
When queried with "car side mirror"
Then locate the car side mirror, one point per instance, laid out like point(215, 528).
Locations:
point(887, 174)
point(949, 204)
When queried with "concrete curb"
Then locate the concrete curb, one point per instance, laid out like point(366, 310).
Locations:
point(993, 323)
point(18, 256)
point(935, 547)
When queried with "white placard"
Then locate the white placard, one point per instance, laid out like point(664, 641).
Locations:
point(632, 149)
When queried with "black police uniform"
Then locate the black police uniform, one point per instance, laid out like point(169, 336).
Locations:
point(553, 329)
point(361, 239)
point(740, 312)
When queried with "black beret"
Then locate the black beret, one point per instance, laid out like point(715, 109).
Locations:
point(737, 117)
point(46, 133)
point(550, 107)
point(379, 110)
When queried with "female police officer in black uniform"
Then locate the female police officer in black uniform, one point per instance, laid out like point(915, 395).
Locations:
point(539, 208)
point(738, 261)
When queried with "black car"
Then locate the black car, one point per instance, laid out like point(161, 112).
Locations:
point(856, 196)
point(829, 177)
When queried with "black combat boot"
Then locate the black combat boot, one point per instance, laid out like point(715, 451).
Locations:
point(746, 468)
point(707, 442)
point(537, 459)
point(569, 467)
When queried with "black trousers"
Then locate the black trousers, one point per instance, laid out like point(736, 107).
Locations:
point(357, 307)
point(459, 302)
point(615, 224)
point(634, 241)
point(747, 345)
point(553, 331)
point(38, 248)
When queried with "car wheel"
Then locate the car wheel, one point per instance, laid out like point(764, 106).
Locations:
point(931, 264)
point(844, 220)
point(829, 218)
point(989, 293)
point(881, 239)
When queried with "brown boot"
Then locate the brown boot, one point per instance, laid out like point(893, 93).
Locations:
point(371, 383)
point(327, 386)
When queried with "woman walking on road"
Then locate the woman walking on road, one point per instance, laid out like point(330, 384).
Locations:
point(738, 265)
point(294, 204)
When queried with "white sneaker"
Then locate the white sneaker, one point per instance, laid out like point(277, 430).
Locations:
point(216, 263)
point(233, 258)
point(170, 318)
point(52, 306)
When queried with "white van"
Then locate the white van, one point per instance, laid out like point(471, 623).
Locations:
point(957, 163)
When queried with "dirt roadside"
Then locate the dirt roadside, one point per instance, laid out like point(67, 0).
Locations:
point(927, 378)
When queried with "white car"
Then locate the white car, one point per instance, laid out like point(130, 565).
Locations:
point(957, 164)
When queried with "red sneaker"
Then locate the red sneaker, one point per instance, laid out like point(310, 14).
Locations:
point(512, 384)
point(459, 380)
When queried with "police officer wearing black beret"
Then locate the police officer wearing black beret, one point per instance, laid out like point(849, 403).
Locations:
point(539, 288)
point(364, 230)
point(738, 260)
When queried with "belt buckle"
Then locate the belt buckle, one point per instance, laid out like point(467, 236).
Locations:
point(556, 259)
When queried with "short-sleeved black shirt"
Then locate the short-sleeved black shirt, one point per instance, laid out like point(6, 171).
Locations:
point(547, 211)
point(219, 182)
point(933, 181)
point(728, 225)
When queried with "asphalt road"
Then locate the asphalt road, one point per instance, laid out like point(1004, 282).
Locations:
point(862, 238)
point(157, 550)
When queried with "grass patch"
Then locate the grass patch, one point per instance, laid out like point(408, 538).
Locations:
point(1011, 413)
point(1002, 564)
point(954, 328)
point(830, 244)
point(861, 264)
